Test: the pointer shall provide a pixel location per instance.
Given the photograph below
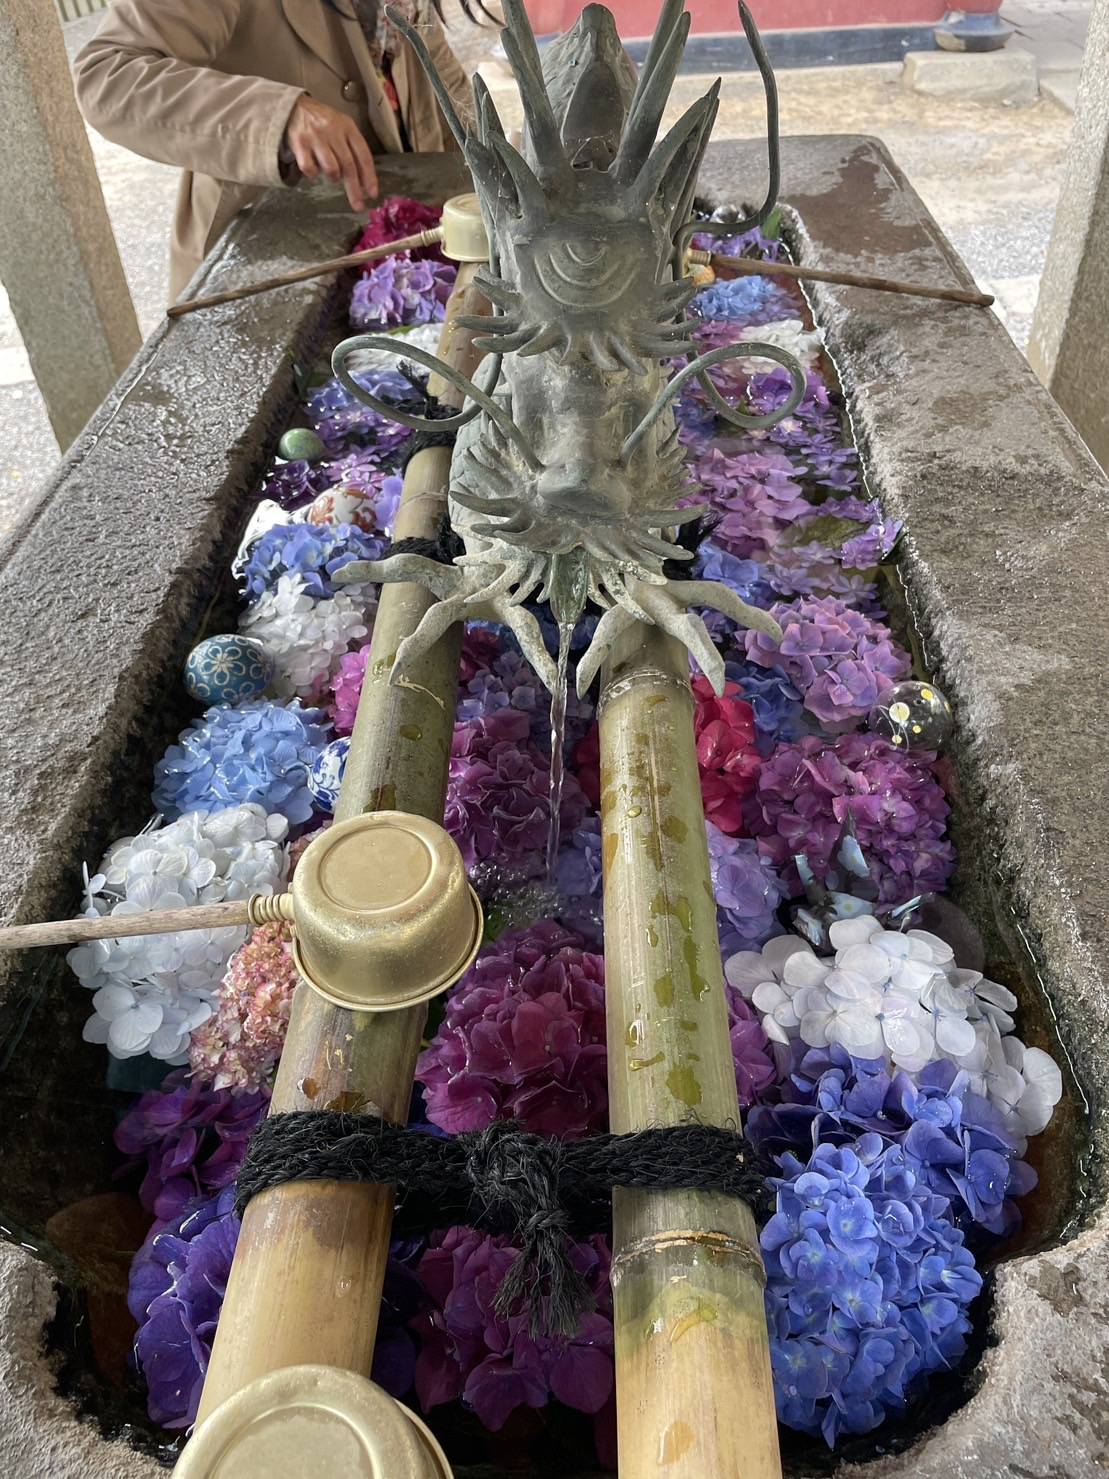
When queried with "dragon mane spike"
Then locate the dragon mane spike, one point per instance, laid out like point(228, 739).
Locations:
point(691, 164)
point(675, 149)
point(489, 120)
point(530, 196)
point(518, 40)
point(650, 104)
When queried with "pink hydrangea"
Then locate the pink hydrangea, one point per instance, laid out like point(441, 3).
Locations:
point(756, 494)
point(804, 792)
point(840, 661)
point(523, 1039)
point(346, 688)
point(727, 752)
point(469, 1350)
point(241, 1042)
point(398, 216)
point(498, 794)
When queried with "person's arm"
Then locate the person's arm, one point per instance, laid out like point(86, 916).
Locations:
point(145, 81)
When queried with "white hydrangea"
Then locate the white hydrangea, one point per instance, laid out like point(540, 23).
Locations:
point(423, 336)
point(901, 998)
point(306, 637)
point(152, 991)
point(789, 334)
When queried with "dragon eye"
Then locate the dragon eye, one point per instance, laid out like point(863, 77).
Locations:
point(580, 274)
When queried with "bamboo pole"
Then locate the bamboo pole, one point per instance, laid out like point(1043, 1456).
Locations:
point(302, 274)
point(753, 267)
point(306, 1281)
point(694, 1391)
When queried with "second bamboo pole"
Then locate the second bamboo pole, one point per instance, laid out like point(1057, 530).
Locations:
point(694, 1391)
point(305, 1285)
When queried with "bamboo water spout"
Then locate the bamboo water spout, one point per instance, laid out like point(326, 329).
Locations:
point(694, 1391)
point(305, 1286)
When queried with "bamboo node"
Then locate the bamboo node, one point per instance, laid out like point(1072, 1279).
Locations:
point(717, 1243)
point(642, 677)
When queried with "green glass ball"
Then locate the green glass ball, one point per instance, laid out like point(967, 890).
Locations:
point(301, 444)
point(913, 716)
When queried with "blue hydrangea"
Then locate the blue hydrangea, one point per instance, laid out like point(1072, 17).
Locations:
point(313, 551)
point(868, 1285)
point(747, 298)
point(747, 578)
point(779, 714)
point(258, 751)
point(578, 880)
point(954, 1139)
point(747, 892)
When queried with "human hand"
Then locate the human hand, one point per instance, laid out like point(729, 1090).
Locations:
point(324, 141)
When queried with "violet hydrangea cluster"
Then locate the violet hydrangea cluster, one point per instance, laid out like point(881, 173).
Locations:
point(399, 290)
point(840, 661)
point(314, 552)
point(523, 1039)
point(341, 421)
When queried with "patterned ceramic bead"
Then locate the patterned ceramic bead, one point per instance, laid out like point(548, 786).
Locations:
point(228, 669)
point(301, 444)
point(343, 504)
point(326, 774)
point(913, 716)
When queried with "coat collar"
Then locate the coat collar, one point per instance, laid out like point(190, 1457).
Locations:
point(311, 22)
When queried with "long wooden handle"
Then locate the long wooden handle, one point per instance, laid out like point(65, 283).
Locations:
point(302, 274)
point(256, 910)
point(750, 267)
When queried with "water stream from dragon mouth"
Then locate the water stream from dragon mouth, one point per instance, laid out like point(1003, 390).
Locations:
point(558, 743)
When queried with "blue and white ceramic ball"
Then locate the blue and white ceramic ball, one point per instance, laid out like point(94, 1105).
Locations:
point(326, 774)
point(228, 669)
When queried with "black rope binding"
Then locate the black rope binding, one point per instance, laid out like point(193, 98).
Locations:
point(442, 548)
point(422, 403)
point(537, 1190)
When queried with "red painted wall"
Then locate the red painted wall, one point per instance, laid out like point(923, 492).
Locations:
point(636, 18)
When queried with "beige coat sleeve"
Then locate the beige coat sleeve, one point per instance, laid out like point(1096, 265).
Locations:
point(142, 81)
point(450, 69)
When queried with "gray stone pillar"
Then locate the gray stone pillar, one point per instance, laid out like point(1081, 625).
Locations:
point(1069, 349)
point(58, 257)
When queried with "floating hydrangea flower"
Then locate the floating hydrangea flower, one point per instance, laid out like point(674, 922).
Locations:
point(812, 435)
point(755, 1069)
point(306, 637)
point(314, 552)
point(754, 300)
point(192, 1139)
point(953, 1138)
point(343, 422)
point(757, 495)
point(804, 792)
point(727, 754)
point(255, 752)
point(398, 290)
point(747, 578)
point(751, 243)
point(396, 217)
point(578, 880)
point(498, 794)
point(293, 484)
point(507, 681)
point(838, 659)
point(747, 891)
point(178, 1280)
point(346, 688)
point(153, 991)
point(868, 1285)
point(779, 714)
point(523, 1039)
point(239, 1045)
point(469, 1350)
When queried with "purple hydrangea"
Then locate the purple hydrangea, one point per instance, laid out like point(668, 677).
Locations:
point(293, 484)
point(873, 545)
point(509, 682)
point(175, 1294)
point(954, 1139)
point(779, 713)
point(578, 880)
point(747, 578)
point(755, 1069)
point(315, 552)
point(469, 1350)
point(523, 1039)
point(840, 660)
point(340, 420)
point(756, 494)
point(257, 751)
point(192, 1140)
point(498, 794)
point(747, 892)
point(750, 244)
point(177, 1283)
point(748, 299)
point(398, 291)
point(804, 791)
point(812, 434)
point(868, 1285)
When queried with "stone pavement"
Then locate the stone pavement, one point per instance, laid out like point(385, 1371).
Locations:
point(1054, 31)
point(989, 174)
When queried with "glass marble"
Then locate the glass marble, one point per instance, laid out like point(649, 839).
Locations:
point(913, 716)
point(301, 444)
